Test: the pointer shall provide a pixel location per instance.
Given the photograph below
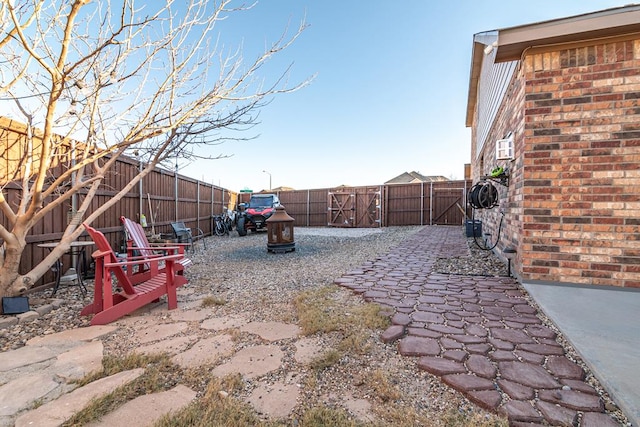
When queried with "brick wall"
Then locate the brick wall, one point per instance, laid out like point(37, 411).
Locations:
point(510, 118)
point(573, 205)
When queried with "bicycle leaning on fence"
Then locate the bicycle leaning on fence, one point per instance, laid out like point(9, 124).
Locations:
point(223, 224)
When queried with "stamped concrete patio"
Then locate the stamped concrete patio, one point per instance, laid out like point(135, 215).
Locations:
point(483, 336)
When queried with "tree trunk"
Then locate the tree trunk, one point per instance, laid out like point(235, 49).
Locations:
point(12, 283)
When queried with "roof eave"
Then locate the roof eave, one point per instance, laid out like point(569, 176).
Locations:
point(514, 41)
point(474, 78)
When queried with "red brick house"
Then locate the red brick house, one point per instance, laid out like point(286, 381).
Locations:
point(557, 105)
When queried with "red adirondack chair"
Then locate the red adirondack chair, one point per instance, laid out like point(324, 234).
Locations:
point(137, 286)
point(137, 241)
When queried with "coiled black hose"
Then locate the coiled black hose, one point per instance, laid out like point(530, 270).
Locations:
point(484, 195)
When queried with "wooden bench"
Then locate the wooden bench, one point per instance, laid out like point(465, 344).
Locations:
point(136, 286)
point(184, 235)
point(137, 243)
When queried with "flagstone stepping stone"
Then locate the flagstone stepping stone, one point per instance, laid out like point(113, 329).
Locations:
point(392, 333)
point(360, 408)
point(543, 349)
point(467, 382)
point(401, 319)
point(487, 399)
point(205, 351)
point(595, 419)
point(189, 315)
point(418, 346)
point(79, 361)
point(440, 366)
point(24, 356)
point(562, 367)
point(573, 399)
point(424, 316)
point(145, 410)
point(516, 391)
point(272, 331)
point(72, 337)
point(537, 359)
point(481, 366)
point(457, 355)
point(579, 386)
point(518, 410)
point(252, 362)
point(170, 346)
point(511, 335)
point(527, 374)
point(223, 323)
point(274, 400)
point(24, 391)
point(56, 412)
point(159, 332)
point(556, 414)
point(307, 349)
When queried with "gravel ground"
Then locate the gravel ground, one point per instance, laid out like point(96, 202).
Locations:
point(260, 286)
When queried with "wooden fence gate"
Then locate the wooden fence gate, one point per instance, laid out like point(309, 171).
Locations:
point(448, 206)
point(359, 208)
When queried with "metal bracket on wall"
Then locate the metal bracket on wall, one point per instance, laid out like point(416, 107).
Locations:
point(502, 179)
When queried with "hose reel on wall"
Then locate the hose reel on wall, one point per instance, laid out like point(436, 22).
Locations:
point(484, 195)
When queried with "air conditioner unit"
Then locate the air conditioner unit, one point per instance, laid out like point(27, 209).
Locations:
point(504, 149)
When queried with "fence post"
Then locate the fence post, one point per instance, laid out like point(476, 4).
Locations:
point(308, 207)
point(421, 202)
point(213, 193)
point(176, 194)
point(464, 202)
point(140, 190)
point(431, 204)
point(379, 207)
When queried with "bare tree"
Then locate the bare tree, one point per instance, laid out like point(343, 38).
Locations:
point(110, 77)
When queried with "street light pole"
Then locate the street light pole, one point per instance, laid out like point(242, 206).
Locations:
point(269, 173)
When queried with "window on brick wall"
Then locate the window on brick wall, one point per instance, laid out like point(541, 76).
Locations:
point(504, 147)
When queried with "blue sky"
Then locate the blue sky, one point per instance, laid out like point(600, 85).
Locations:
point(389, 94)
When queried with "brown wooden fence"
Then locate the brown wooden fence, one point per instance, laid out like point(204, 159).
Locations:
point(164, 196)
point(435, 203)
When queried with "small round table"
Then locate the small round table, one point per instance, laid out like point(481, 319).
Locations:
point(76, 249)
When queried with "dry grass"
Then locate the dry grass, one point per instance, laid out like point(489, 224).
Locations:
point(216, 408)
point(382, 386)
point(211, 301)
point(159, 375)
point(322, 416)
point(325, 360)
point(317, 311)
point(403, 416)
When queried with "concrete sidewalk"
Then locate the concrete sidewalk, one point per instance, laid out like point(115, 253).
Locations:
point(603, 325)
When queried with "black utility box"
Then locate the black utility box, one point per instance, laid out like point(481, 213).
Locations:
point(474, 228)
point(15, 305)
